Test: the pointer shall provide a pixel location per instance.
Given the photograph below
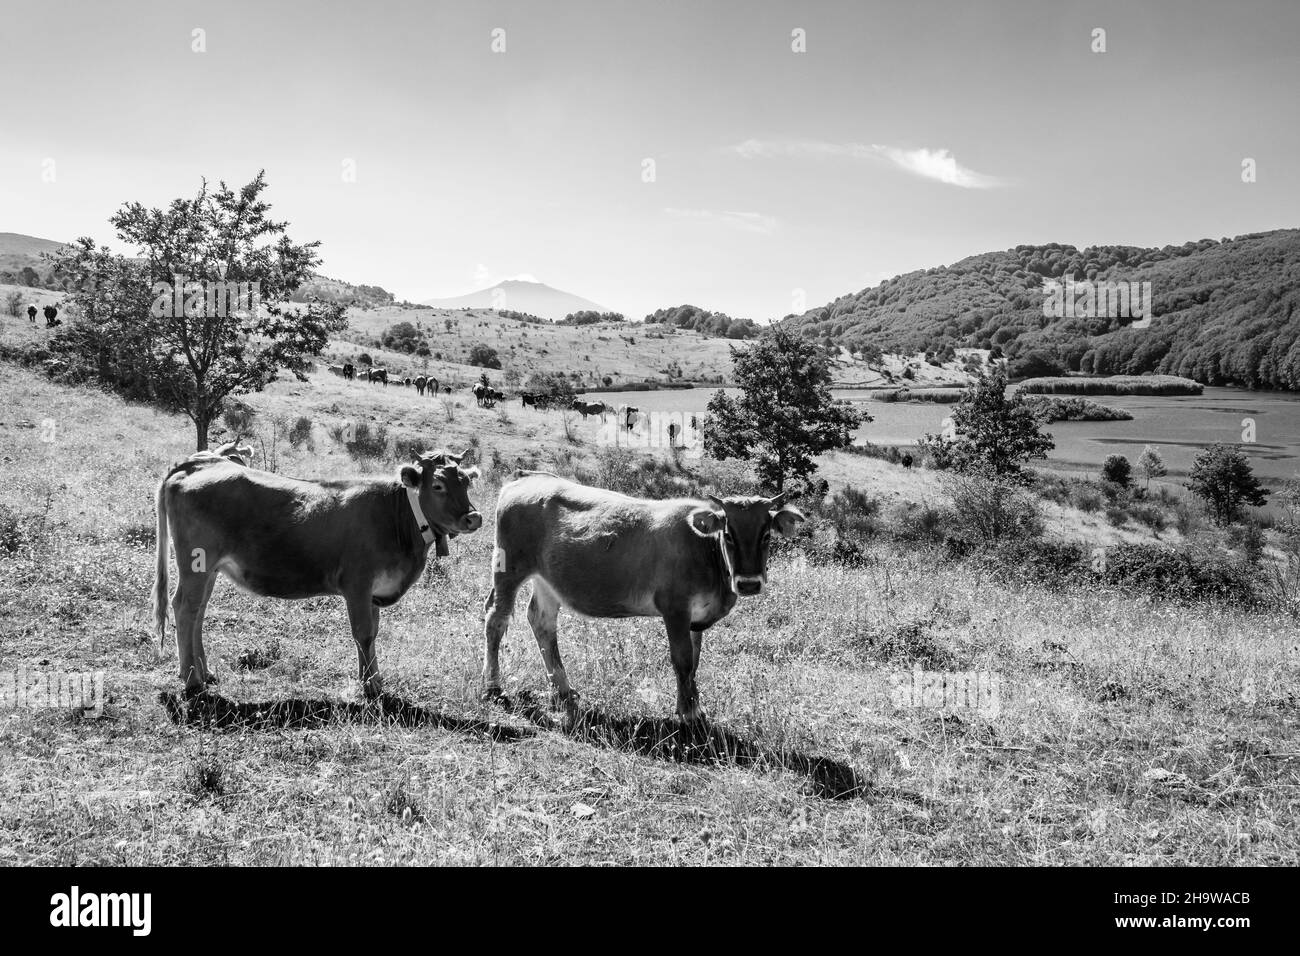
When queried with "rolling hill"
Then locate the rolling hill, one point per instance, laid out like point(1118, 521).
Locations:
point(520, 295)
point(1225, 312)
point(18, 251)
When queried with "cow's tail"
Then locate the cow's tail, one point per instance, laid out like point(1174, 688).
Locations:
point(160, 569)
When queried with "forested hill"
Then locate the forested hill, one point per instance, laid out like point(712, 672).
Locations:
point(1225, 312)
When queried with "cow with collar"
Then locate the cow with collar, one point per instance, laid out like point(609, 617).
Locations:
point(364, 539)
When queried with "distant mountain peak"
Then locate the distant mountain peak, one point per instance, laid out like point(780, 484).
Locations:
point(522, 293)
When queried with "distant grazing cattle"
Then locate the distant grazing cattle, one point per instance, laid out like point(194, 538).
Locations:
point(446, 389)
point(419, 384)
point(431, 384)
point(906, 459)
point(589, 408)
point(631, 415)
point(485, 395)
point(379, 375)
point(603, 554)
point(406, 382)
point(366, 539)
point(31, 314)
point(349, 370)
point(673, 430)
point(337, 370)
point(528, 398)
point(51, 316)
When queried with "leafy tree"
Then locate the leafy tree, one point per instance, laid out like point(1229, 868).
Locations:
point(402, 337)
point(785, 414)
point(14, 303)
point(1152, 464)
point(1222, 477)
point(484, 356)
point(28, 276)
point(190, 348)
point(1035, 363)
point(995, 434)
point(1117, 470)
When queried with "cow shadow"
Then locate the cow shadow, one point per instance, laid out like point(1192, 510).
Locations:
point(212, 711)
point(699, 742)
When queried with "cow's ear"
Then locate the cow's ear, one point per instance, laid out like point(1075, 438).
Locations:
point(411, 476)
point(706, 521)
point(786, 520)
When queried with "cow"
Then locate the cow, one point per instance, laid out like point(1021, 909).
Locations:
point(51, 313)
point(365, 539)
point(379, 375)
point(485, 395)
point(337, 370)
point(446, 389)
point(604, 554)
point(406, 382)
point(589, 408)
point(31, 314)
point(349, 370)
point(631, 415)
point(528, 398)
point(419, 384)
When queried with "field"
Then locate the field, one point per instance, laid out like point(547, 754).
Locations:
point(1128, 730)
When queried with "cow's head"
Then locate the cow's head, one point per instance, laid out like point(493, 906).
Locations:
point(443, 485)
point(746, 525)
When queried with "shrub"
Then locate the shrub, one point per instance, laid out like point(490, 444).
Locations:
point(238, 418)
point(484, 356)
point(1086, 498)
point(300, 432)
point(989, 509)
point(1117, 470)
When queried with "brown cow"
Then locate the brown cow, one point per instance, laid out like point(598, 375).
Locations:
point(366, 539)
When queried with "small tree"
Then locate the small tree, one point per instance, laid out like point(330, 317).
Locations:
point(995, 434)
point(484, 356)
point(1152, 465)
point(1117, 470)
point(14, 303)
point(1222, 477)
point(785, 414)
point(197, 317)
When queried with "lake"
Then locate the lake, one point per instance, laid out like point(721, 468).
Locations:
point(1179, 425)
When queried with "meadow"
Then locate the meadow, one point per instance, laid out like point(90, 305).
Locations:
point(1130, 730)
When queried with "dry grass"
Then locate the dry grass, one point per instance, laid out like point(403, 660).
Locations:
point(1130, 731)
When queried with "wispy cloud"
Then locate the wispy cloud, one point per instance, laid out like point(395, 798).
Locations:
point(937, 164)
point(747, 221)
point(485, 278)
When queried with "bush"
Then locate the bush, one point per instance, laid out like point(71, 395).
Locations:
point(484, 356)
point(300, 432)
point(14, 303)
point(238, 418)
point(1150, 515)
point(988, 510)
point(1117, 470)
point(367, 441)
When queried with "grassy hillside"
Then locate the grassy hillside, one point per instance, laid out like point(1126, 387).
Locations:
point(18, 252)
point(1130, 730)
point(1225, 312)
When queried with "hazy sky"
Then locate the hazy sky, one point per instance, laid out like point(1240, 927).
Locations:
point(908, 134)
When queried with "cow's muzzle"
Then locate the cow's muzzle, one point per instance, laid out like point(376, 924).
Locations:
point(749, 584)
point(470, 522)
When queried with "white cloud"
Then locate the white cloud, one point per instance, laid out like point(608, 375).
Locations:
point(937, 164)
point(746, 221)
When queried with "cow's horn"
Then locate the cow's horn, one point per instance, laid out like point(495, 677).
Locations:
point(780, 497)
point(717, 501)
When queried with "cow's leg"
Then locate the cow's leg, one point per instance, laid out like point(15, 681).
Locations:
point(543, 610)
point(200, 656)
point(188, 603)
point(364, 618)
point(498, 609)
point(682, 650)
